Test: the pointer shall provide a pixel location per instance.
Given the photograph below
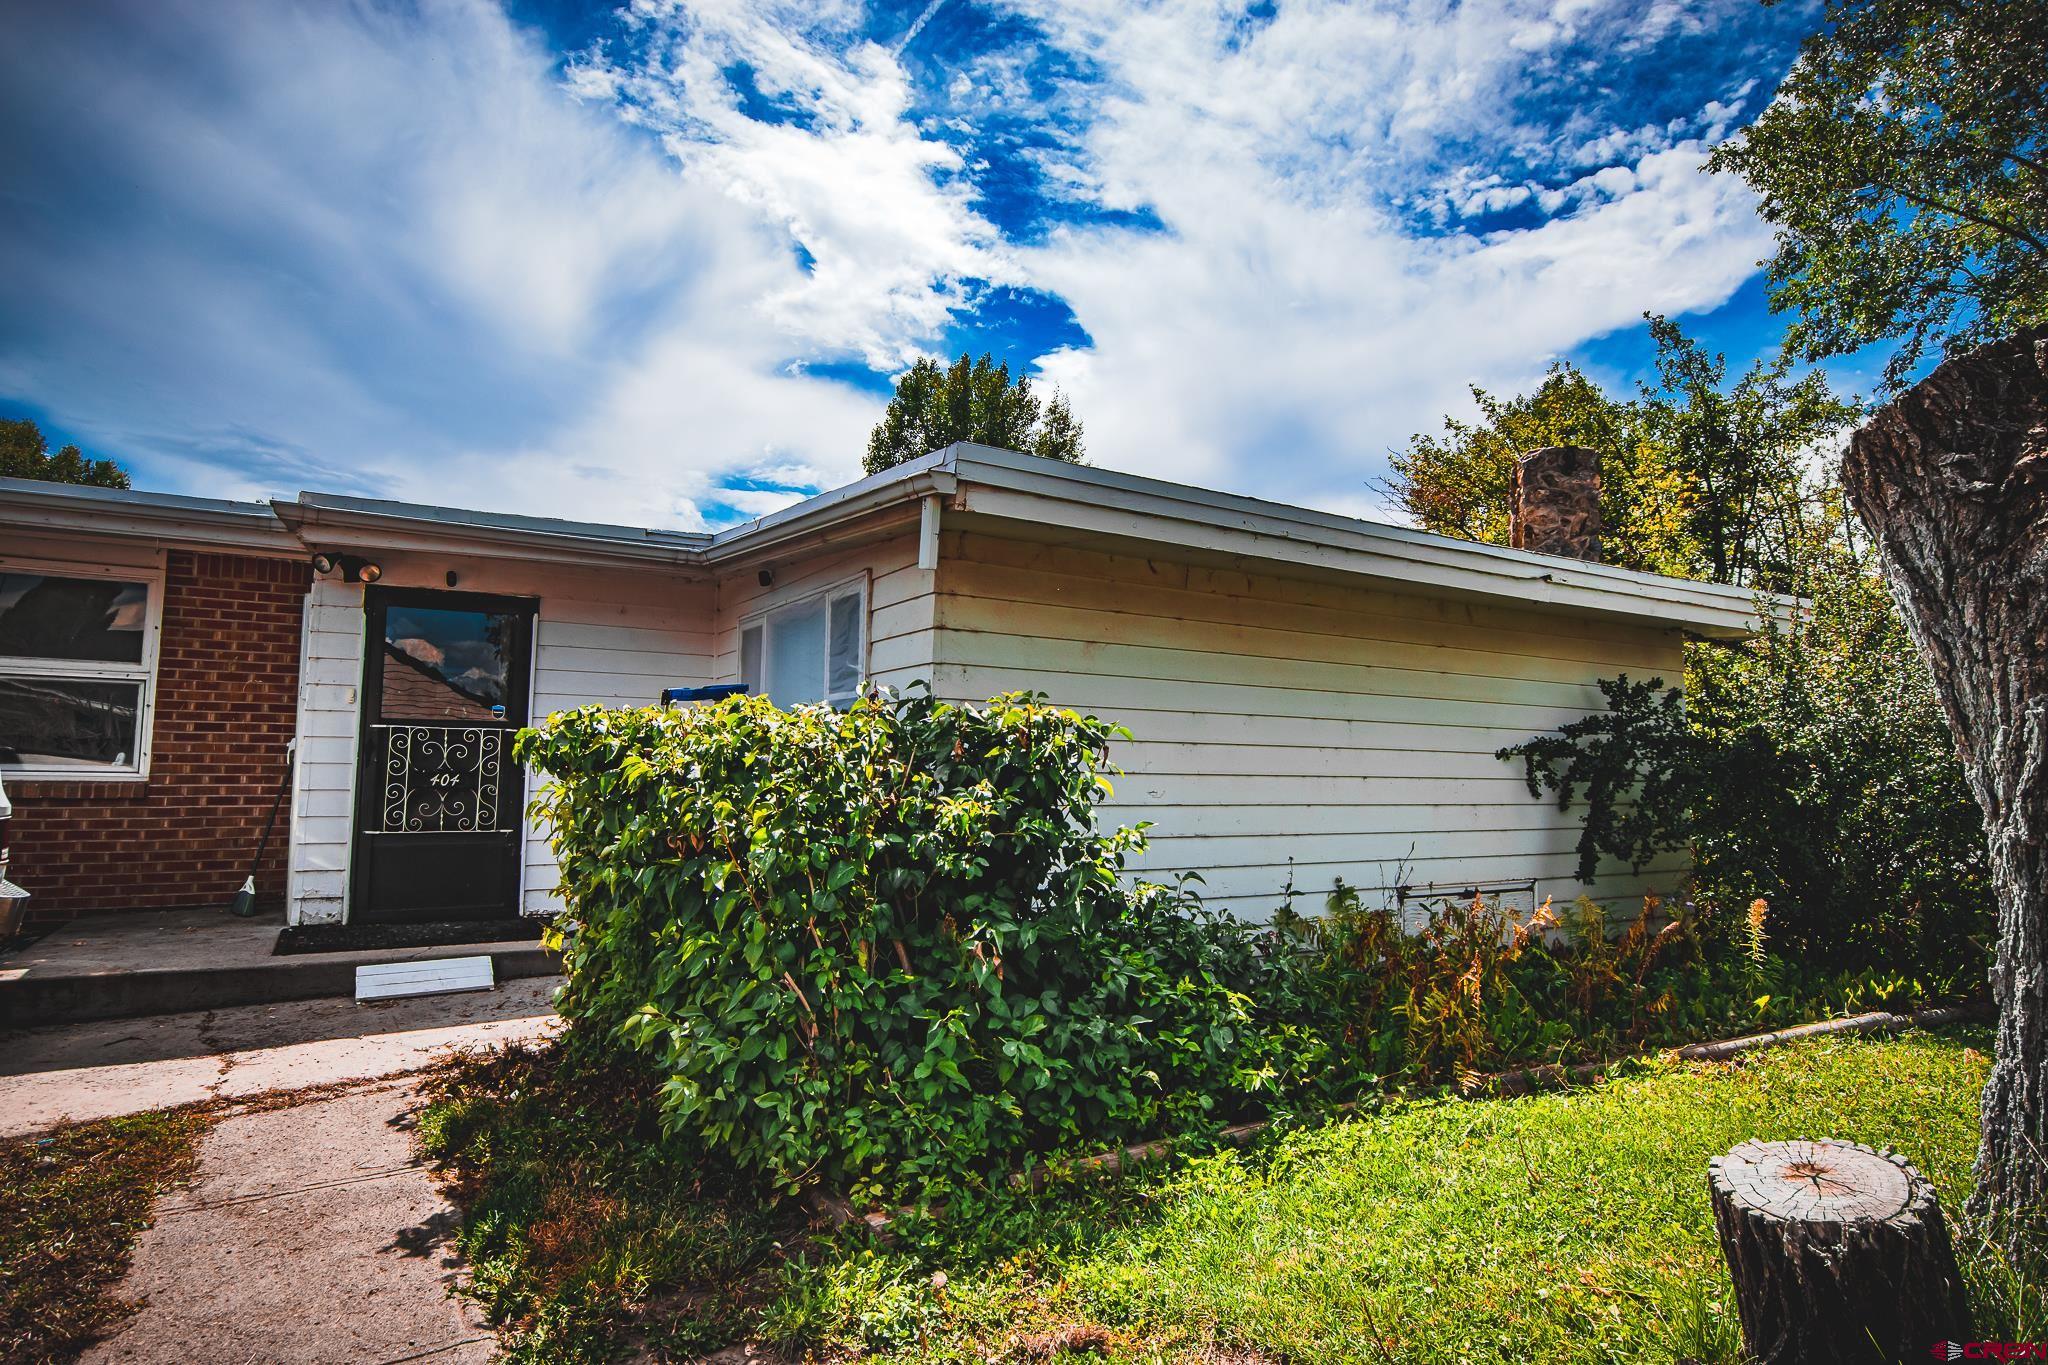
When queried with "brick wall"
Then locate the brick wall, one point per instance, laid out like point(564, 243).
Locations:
point(226, 694)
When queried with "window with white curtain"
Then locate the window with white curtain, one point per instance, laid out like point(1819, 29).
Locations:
point(812, 649)
point(77, 668)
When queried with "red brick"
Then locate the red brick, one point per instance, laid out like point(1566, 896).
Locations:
point(227, 695)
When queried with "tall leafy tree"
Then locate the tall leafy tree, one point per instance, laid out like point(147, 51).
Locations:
point(970, 400)
point(1904, 165)
point(1735, 456)
point(25, 454)
point(1700, 477)
point(1457, 483)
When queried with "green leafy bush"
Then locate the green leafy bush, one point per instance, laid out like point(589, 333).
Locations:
point(1835, 792)
point(1812, 768)
point(1636, 766)
point(1474, 989)
point(884, 949)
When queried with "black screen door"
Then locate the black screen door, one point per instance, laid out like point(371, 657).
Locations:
point(437, 791)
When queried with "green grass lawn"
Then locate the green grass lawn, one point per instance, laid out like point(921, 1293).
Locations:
point(1569, 1227)
point(71, 1204)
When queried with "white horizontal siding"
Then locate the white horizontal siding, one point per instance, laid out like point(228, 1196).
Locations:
point(618, 648)
point(323, 782)
point(1294, 726)
point(1280, 725)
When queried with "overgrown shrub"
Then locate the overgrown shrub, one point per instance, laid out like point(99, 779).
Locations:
point(884, 949)
point(1476, 988)
point(1811, 767)
point(1836, 793)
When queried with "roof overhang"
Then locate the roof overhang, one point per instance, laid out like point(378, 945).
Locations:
point(326, 521)
point(35, 506)
point(998, 489)
point(1102, 505)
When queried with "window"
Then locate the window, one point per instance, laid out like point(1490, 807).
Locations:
point(77, 660)
point(814, 649)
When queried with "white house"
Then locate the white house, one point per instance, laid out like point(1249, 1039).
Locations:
point(1311, 695)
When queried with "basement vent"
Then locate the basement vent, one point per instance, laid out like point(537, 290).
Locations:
point(1518, 898)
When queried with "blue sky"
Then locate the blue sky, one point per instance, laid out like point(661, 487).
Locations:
point(658, 263)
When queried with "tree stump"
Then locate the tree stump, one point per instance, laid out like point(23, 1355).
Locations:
point(1838, 1251)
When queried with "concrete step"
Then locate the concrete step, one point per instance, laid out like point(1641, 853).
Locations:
point(168, 962)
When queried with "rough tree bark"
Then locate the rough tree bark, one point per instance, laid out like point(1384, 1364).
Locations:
point(1952, 480)
point(1838, 1253)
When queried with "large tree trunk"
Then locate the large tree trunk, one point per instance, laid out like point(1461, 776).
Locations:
point(1952, 479)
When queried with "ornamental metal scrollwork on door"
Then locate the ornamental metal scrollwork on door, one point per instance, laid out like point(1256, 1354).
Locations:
point(441, 779)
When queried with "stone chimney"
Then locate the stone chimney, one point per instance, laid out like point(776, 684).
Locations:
point(1554, 507)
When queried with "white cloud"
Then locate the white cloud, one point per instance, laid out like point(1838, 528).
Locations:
point(759, 502)
point(1288, 328)
point(380, 248)
point(474, 277)
point(886, 214)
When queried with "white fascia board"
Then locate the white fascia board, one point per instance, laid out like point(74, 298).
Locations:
point(1004, 484)
point(319, 525)
point(907, 483)
point(325, 522)
point(30, 505)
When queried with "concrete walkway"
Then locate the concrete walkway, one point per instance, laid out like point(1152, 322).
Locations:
point(123, 1066)
point(311, 1232)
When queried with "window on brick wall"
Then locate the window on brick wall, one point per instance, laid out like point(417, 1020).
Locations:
point(78, 648)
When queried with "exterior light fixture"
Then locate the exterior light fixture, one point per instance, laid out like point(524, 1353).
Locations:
point(354, 568)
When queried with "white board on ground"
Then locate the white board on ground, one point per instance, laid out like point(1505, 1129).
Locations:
point(436, 976)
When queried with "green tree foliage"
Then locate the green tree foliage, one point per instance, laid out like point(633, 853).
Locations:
point(1837, 793)
point(1904, 165)
point(1813, 766)
point(1457, 484)
point(1635, 765)
point(970, 400)
point(1731, 459)
point(883, 948)
point(25, 454)
point(1700, 477)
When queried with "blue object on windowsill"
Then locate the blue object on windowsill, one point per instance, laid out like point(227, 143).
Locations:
point(719, 692)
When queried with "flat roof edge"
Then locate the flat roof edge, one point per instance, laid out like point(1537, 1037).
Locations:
point(132, 514)
point(1087, 498)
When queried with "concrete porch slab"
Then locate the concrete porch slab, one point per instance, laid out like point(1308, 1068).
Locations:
point(168, 961)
